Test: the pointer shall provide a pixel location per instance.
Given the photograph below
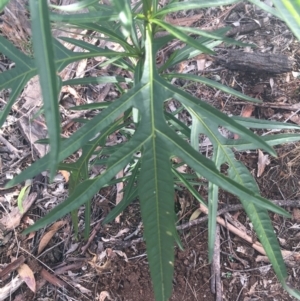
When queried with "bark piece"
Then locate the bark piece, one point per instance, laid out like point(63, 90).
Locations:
point(255, 62)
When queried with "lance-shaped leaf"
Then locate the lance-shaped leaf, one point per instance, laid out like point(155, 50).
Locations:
point(186, 5)
point(259, 218)
point(74, 6)
point(44, 60)
point(239, 173)
point(212, 83)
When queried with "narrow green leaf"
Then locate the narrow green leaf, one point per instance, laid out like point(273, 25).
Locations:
point(82, 193)
point(99, 16)
point(259, 218)
point(93, 48)
point(173, 30)
point(9, 50)
point(188, 52)
point(210, 113)
point(206, 167)
point(272, 140)
point(188, 185)
point(3, 3)
point(293, 292)
point(267, 8)
point(264, 124)
point(23, 195)
point(74, 6)
point(129, 195)
point(157, 207)
point(290, 13)
point(97, 80)
point(44, 58)
point(84, 134)
point(212, 83)
point(124, 10)
point(213, 201)
point(187, 5)
point(178, 125)
point(213, 35)
point(112, 34)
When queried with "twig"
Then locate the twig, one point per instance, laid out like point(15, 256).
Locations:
point(282, 203)
point(255, 245)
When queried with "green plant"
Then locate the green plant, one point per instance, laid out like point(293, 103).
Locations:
point(158, 135)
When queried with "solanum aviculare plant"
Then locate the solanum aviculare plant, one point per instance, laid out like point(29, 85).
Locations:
point(152, 132)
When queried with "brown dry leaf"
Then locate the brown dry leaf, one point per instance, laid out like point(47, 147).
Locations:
point(26, 274)
point(247, 112)
point(296, 214)
point(47, 237)
point(263, 160)
point(65, 174)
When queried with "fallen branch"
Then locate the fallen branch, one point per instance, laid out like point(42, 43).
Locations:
point(255, 245)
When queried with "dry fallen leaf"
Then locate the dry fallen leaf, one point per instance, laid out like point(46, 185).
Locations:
point(263, 160)
point(65, 174)
point(296, 215)
point(26, 274)
point(47, 237)
point(247, 112)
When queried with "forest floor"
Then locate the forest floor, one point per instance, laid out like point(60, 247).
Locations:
point(112, 264)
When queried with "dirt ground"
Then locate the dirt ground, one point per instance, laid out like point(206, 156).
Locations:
point(112, 264)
